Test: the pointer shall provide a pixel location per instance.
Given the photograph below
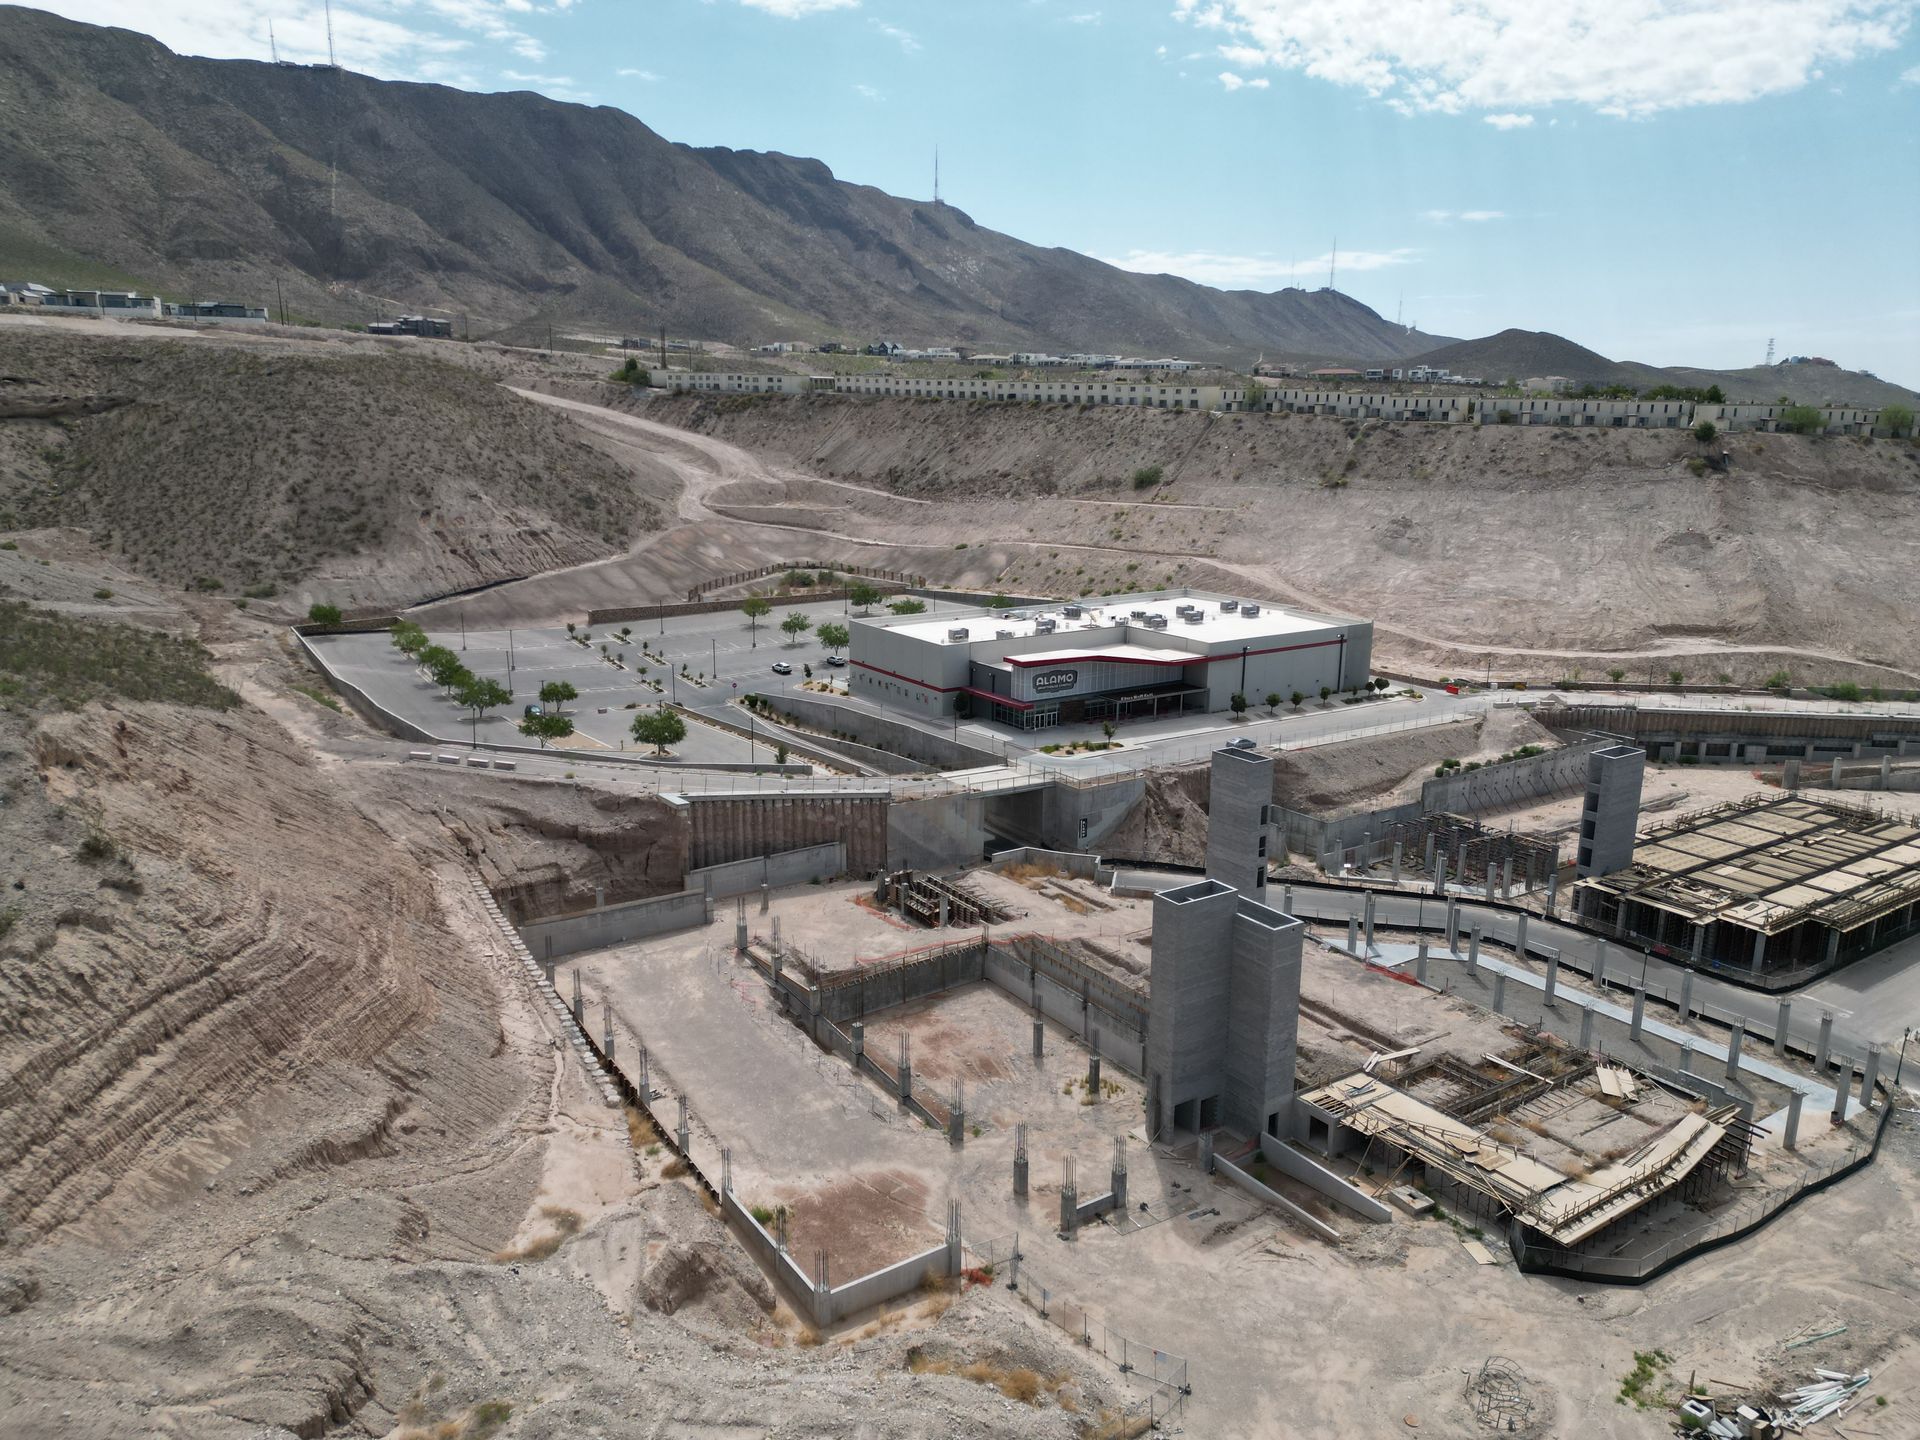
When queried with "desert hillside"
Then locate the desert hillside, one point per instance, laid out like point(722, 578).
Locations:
point(1538, 551)
point(364, 474)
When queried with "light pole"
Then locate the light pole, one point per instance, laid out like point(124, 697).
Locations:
point(509, 652)
point(1901, 1063)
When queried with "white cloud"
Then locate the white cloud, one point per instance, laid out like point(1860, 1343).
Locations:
point(646, 75)
point(1089, 17)
point(1234, 82)
point(1468, 217)
point(1251, 271)
point(1480, 217)
point(795, 9)
point(1620, 57)
point(1909, 76)
point(554, 87)
point(905, 39)
point(1508, 122)
point(867, 92)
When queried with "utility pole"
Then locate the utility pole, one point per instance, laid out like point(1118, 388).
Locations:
point(272, 44)
point(280, 297)
point(663, 365)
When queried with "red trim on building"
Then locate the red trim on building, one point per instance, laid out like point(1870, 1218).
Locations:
point(1196, 659)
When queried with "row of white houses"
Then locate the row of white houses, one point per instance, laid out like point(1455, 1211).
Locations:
point(1453, 406)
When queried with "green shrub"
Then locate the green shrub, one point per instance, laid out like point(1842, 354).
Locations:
point(321, 613)
point(1146, 477)
point(103, 594)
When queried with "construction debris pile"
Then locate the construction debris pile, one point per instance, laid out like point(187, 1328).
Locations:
point(1828, 1397)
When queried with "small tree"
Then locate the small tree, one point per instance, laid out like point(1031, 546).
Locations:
point(557, 693)
point(1704, 432)
point(480, 695)
point(794, 624)
point(1238, 704)
point(443, 666)
point(999, 602)
point(546, 727)
point(1326, 693)
point(1380, 682)
point(780, 754)
point(833, 635)
point(321, 613)
point(1897, 418)
point(1106, 729)
point(908, 607)
point(1273, 701)
point(1616, 674)
point(1803, 420)
point(408, 638)
point(1146, 477)
point(756, 608)
point(863, 595)
point(1298, 699)
point(1676, 678)
point(806, 672)
point(659, 728)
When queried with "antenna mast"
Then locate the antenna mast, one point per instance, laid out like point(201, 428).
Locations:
point(272, 44)
point(332, 64)
point(1769, 350)
point(936, 174)
point(1333, 260)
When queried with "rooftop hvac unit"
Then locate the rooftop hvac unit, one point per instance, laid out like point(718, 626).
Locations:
point(1019, 615)
point(1156, 622)
point(958, 632)
point(1043, 627)
point(1247, 609)
point(1003, 634)
point(1194, 617)
point(1229, 606)
point(1073, 612)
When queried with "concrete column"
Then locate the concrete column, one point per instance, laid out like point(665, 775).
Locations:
point(1119, 1177)
point(1790, 1137)
point(606, 1029)
point(1453, 924)
point(1397, 844)
point(579, 1004)
point(1586, 1026)
point(1440, 877)
point(1286, 899)
point(1020, 1167)
point(1369, 925)
point(1553, 889)
point(1782, 1020)
point(1833, 778)
point(957, 1120)
point(1790, 774)
point(1420, 965)
point(1699, 944)
point(646, 1081)
point(600, 896)
point(740, 934)
point(1499, 992)
point(1886, 772)
point(1759, 949)
point(766, 893)
point(858, 1036)
point(1204, 1158)
point(1868, 1076)
point(1734, 1039)
point(1825, 1045)
point(1039, 1039)
point(1506, 878)
point(1686, 996)
point(1842, 1085)
point(1553, 978)
point(547, 963)
point(1599, 965)
point(1520, 937)
point(1639, 1012)
point(943, 912)
point(1093, 1067)
point(1833, 946)
point(1686, 1057)
point(1489, 886)
point(683, 1131)
point(1069, 1210)
point(1353, 934)
point(1473, 951)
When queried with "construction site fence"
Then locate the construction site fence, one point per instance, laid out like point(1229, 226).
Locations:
point(784, 567)
point(1165, 1374)
point(1725, 1229)
point(608, 615)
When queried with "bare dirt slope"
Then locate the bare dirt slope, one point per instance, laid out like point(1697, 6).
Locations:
point(364, 474)
point(289, 1149)
point(1539, 550)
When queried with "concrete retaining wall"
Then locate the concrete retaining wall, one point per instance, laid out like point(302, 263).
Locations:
point(889, 1284)
point(933, 752)
point(936, 833)
point(789, 867)
point(1295, 1166)
point(614, 924)
point(1121, 1044)
point(883, 984)
point(725, 828)
point(1312, 835)
point(1510, 782)
point(1069, 862)
point(1233, 1173)
point(775, 1261)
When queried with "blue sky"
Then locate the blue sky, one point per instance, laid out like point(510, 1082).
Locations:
point(1672, 181)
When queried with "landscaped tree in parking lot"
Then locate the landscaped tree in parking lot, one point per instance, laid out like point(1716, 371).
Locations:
point(480, 695)
point(833, 636)
point(659, 728)
point(409, 639)
point(756, 608)
point(1298, 699)
point(557, 693)
point(1238, 704)
point(1273, 701)
point(1326, 693)
point(546, 727)
point(908, 607)
point(444, 666)
point(795, 625)
point(862, 594)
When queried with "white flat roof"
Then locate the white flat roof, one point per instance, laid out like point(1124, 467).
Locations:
point(1112, 610)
